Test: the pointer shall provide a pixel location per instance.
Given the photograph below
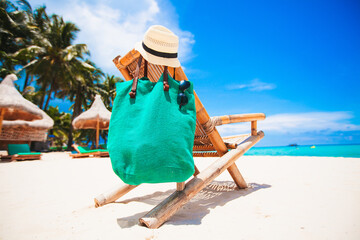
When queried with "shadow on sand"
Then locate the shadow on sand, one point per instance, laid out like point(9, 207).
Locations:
point(218, 193)
point(8, 160)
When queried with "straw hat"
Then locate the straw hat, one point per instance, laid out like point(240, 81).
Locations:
point(159, 46)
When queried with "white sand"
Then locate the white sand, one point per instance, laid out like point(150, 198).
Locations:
point(290, 198)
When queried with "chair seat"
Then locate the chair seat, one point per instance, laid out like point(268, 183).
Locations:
point(18, 148)
point(94, 151)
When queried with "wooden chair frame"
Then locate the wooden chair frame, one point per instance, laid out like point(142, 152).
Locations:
point(226, 161)
point(17, 157)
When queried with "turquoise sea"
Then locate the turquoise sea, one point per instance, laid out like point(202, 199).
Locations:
point(316, 150)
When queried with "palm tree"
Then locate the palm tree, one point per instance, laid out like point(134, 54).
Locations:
point(14, 32)
point(108, 90)
point(62, 123)
point(56, 60)
point(33, 94)
point(49, 56)
point(38, 21)
point(81, 91)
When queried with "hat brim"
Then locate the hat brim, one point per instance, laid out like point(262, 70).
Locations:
point(171, 62)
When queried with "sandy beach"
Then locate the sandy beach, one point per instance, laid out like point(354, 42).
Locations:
point(288, 198)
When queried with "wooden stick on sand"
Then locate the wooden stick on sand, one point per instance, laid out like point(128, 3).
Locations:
point(113, 194)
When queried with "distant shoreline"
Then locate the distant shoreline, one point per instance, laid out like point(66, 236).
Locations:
point(343, 144)
point(323, 150)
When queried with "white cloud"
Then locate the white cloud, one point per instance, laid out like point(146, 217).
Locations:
point(297, 123)
point(112, 28)
point(254, 85)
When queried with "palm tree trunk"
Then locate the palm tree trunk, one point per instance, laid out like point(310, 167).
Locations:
point(26, 81)
point(48, 98)
point(50, 92)
point(43, 90)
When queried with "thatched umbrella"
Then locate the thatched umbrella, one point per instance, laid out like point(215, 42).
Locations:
point(96, 117)
point(22, 130)
point(12, 104)
point(20, 119)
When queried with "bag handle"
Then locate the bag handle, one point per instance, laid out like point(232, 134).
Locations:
point(165, 76)
point(132, 93)
point(165, 79)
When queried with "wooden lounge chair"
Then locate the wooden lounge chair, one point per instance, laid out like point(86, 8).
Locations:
point(208, 143)
point(84, 152)
point(103, 146)
point(20, 152)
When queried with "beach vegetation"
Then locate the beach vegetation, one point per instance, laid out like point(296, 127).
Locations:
point(62, 122)
point(40, 48)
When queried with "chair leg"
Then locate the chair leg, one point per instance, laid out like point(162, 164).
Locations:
point(237, 177)
point(114, 194)
point(196, 171)
point(180, 186)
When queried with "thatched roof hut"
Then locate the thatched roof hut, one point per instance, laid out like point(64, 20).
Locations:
point(90, 118)
point(15, 127)
point(96, 117)
point(12, 104)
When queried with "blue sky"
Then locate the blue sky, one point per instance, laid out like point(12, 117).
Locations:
point(296, 61)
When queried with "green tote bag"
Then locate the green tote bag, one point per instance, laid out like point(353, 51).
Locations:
point(152, 128)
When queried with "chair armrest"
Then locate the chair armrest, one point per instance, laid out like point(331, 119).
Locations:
point(236, 118)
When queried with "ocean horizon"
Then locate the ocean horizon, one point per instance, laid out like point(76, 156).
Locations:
point(323, 150)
